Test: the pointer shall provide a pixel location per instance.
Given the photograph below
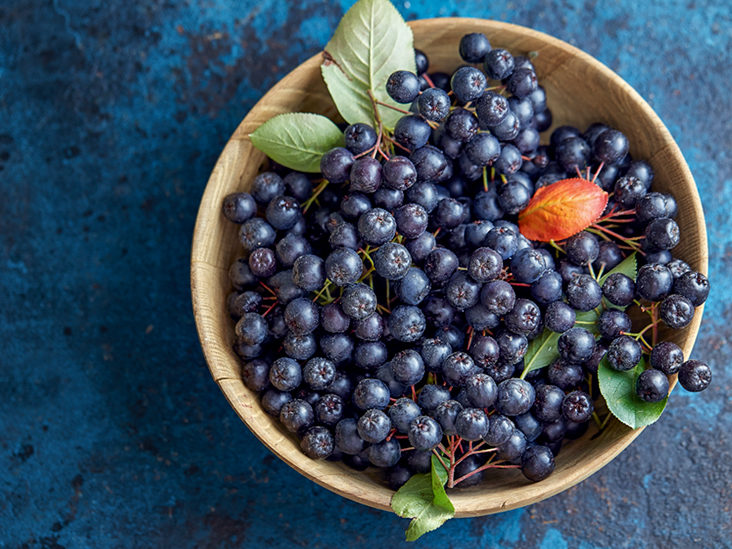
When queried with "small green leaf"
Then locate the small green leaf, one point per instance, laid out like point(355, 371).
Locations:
point(371, 42)
point(627, 266)
point(439, 478)
point(618, 388)
point(423, 498)
point(297, 140)
point(542, 351)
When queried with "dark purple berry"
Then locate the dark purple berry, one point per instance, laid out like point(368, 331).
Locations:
point(695, 375)
point(652, 385)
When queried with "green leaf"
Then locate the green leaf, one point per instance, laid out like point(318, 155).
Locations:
point(371, 42)
point(587, 320)
point(627, 266)
point(423, 498)
point(297, 140)
point(542, 351)
point(439, 478)
point(618, 388)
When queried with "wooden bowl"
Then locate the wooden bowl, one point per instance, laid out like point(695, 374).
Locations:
point(580, 90)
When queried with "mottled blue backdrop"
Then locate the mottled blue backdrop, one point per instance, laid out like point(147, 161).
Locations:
point(112, 433)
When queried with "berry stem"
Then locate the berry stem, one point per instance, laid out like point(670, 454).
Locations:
point(366, 152)
point(556, 246)
point(603, 232)
point(269, 309)
point(488, 465)
point(655, 321)
point(367, 274)
point(270, 290)
point(365, 254)
point(485, 179)
point(391, 141)
point(319, 189)
point(429, 80)
point(471, 333)
point(383, 154)
point(599, 169)
point(439, 457)
point(323, 289)
point(392, 107)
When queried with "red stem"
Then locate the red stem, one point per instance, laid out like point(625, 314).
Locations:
point(429, 80)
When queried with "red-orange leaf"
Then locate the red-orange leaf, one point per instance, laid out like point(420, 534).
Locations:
point(562, 209)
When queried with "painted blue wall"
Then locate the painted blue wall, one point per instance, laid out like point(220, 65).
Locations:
point(112, 434)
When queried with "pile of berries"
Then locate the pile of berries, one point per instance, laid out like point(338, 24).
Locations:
point(383, 311)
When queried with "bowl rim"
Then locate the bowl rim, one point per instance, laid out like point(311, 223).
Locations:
point(343, 484)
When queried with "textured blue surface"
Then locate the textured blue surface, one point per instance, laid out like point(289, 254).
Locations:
point(112, 434)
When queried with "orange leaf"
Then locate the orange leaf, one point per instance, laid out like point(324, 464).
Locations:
point(562, 209)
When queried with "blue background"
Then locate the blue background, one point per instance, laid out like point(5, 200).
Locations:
point(112, 433)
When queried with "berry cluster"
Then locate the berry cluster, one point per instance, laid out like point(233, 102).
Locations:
point(384, 311)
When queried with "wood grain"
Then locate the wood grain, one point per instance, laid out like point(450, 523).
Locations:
point(580, 90)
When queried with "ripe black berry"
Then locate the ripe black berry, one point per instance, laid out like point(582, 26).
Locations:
point(424, 433)
point(482, 390)
point(403, 86)
point(623, 353)
point(318, 373)
point(695, 375)
point(471, 424)
point(358, 301)
point(515, 397)
point(335, 165)
point(474, 47)
point(371, 393)
point(576, 345)
point(654, 282)
point(239, 207)
point(652, 385)
point(373, 426)
point(676, 311)
point(406, 323)
point(537, 463)
point(411, 132)
point(317, 443)
point(619, 289)
point(297, 415)
point(693, 286)
point(285, 374)
point(667, 357)
point(584, 293)
point(498, 64)
point(343, 266)
point(577, 406)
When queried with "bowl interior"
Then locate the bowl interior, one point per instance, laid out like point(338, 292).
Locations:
point(580, 91)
